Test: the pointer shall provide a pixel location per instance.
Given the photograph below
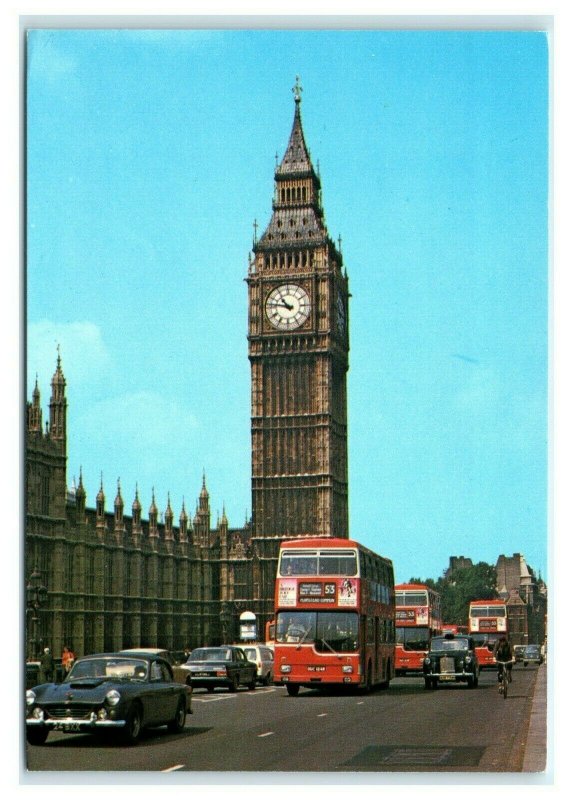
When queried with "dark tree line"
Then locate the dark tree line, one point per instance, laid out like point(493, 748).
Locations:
point(477, 582)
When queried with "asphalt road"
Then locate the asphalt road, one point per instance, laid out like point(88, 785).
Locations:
point(403, 729)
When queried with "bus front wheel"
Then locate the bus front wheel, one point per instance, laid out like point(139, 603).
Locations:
point(292, 689)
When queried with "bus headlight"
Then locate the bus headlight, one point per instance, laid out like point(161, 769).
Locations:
point(347, 668)
point(285, 668)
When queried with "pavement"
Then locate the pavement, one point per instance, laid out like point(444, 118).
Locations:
point(535, 755)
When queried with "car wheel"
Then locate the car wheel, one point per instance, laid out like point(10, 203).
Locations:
point(525, 663)
point(132, 730)
point(252, 684)
point(267, 680)
point(234, 685)
point(36, 735)
point(210, 689)
point(292, 689)
point(178, 724)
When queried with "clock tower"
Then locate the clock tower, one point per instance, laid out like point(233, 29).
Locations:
point(298, 349)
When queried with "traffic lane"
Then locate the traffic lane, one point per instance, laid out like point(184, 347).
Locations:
point(407, 729)
point(404, 729)
point(268, 730)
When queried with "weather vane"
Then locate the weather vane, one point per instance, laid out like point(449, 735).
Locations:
point(297, 89)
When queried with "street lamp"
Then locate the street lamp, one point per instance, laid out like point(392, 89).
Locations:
point(36, 598)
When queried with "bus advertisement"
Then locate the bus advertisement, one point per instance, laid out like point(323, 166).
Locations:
point(418, 618)
point(487, 623)
point(334, 615)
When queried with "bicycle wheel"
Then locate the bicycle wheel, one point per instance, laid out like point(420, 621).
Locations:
point(505, 686)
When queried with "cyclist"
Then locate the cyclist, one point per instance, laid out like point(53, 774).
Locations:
point(503, 652)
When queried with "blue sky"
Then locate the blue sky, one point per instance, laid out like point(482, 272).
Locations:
point(150, 153)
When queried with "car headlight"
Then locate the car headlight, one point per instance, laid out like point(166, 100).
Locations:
point(285, 668)
point(113, 697)
point(30, 697)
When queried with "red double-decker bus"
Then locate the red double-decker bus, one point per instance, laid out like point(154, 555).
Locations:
point(487, 623)
point(334, 614)
point(418, 618)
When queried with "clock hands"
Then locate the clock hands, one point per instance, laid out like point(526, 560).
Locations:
point(282, 302)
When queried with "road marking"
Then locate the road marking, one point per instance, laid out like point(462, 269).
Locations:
point(214, 699)
point(269, 733)
point(322, 715)
point(361, 703)
point(172, 769)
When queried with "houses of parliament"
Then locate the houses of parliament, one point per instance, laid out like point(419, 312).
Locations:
point(117, 577)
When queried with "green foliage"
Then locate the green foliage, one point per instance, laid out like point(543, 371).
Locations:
point(477, 582)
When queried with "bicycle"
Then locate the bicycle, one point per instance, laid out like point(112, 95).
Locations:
point(504, 682)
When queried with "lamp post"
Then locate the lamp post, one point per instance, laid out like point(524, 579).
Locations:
point(36, 598)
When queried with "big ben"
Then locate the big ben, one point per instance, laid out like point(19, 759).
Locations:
point(298, 349)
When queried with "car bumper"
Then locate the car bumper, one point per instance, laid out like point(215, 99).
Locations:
point(74, 725)
point(448, 676)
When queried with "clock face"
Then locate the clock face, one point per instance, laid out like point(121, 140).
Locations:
point(287, 307)
point(340, 313)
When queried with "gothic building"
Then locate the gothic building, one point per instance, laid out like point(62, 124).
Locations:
point(115, 579)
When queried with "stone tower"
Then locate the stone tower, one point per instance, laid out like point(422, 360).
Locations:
point(298, 349)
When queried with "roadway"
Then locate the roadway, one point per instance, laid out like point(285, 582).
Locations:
point(402, 729)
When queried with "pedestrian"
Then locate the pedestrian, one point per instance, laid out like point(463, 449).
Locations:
point(68, 658)
point(46, 671)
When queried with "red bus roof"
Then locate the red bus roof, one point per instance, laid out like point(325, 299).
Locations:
point(496, 602)
point(326, 541)
point(402, 586)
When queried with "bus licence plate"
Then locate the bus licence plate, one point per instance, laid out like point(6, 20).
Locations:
point(317, 669)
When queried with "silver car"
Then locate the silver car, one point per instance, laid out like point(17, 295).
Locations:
point(264, 658)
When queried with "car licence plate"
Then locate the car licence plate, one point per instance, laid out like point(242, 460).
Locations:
point(67, 727)
point(202, 675)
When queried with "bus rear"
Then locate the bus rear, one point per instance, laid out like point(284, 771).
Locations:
point(487, 624)
point(418, 618)
point(334, 615)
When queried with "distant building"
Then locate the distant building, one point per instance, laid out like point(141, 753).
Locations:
point(526, 598)
point(457, 562)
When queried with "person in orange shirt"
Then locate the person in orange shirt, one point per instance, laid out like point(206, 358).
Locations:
point(68, 658)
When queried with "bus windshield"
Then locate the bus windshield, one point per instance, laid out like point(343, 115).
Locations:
point(411, 598)
point(413, 638)
point(333, 562)
point(487, 611)
point(328, 631)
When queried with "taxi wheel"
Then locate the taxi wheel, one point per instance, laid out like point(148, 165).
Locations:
point(234, 685)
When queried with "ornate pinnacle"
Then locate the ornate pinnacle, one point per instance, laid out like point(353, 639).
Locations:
point(296, 90)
